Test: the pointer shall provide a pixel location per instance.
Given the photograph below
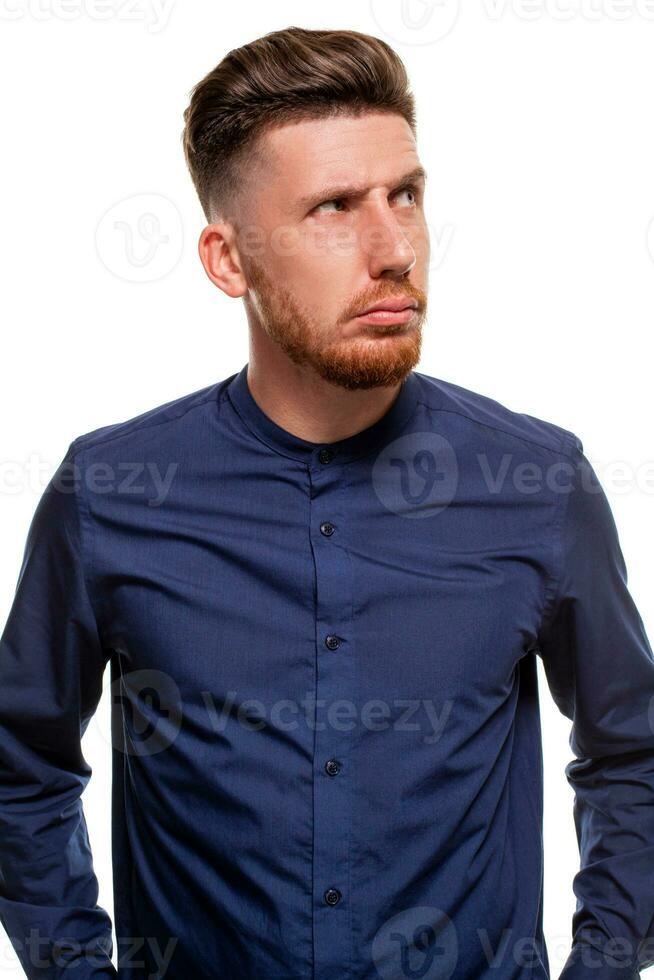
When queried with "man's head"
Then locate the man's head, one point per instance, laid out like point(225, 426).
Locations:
point(301, 146)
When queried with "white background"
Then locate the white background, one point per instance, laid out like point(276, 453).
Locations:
point(535, 126)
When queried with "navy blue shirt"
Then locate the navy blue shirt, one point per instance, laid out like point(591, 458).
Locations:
point(326, 745)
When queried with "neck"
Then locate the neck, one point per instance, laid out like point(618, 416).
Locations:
point(306, 405)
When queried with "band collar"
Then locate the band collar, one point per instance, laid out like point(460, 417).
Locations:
point(365, 441)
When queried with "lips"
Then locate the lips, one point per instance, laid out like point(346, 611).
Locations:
point(392, 305)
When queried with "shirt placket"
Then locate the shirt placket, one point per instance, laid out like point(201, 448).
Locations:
point(335, 719)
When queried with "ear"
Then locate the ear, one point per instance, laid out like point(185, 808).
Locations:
point(220, 257)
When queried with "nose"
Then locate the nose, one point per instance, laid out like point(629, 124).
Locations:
point(386, 244)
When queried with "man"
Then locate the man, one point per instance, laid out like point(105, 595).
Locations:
point(322, 584)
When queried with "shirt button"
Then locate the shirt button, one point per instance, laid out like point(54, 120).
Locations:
point(332, 642)
point(327, 528)
point(332, 896)
point(326, 455)
point(332, 767)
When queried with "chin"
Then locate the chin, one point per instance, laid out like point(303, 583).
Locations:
point(372, 366)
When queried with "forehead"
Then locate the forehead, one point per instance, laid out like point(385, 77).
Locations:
point(376, 148)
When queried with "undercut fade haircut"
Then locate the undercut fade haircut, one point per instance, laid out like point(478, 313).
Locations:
point(285, 76)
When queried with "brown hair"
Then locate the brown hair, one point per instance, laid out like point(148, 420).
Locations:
point(282, 77)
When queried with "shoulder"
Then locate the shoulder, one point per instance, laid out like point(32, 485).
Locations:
point(494, 419)
point(167, 421)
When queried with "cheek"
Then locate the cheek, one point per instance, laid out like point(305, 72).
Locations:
point(318, 292)
point(333, 243)
point(322, 271)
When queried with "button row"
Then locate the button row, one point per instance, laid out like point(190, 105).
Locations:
point(332, 766)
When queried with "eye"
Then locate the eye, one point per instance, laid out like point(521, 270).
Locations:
point(335, 200)
point(412, 191)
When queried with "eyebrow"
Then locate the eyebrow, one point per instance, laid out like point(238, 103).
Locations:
point(357, 190)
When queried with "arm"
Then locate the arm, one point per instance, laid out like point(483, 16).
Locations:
point(600, 670)
point(51, 667)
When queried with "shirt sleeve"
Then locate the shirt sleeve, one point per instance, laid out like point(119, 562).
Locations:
point(600, 670)
point(51, 668)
